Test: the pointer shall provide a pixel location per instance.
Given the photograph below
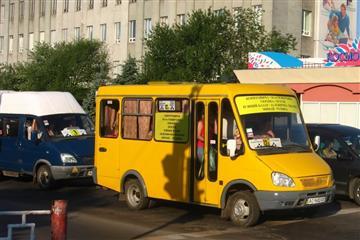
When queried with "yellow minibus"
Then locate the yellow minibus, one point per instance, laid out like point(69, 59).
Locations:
point(241, 148)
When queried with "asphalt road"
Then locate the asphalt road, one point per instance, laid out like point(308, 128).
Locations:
point(96, 213)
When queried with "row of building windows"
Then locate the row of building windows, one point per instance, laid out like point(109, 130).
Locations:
point(53, 8)
point(77, 35)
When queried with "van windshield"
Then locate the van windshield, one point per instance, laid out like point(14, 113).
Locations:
point(273, 124)
point(68, 125)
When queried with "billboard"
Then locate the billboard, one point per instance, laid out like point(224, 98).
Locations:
point(338, 24)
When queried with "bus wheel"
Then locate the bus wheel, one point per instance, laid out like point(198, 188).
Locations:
point(244, 209)
point(44, 177)
point(134, 195)
point(356, 192)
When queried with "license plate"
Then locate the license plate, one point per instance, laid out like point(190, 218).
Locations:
point(90, 173)
point(315, 200)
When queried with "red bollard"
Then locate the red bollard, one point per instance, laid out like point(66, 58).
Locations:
point(58, 220)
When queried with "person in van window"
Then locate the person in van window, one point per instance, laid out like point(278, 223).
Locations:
point(239, 142)
point(328, 151)
point(264, 129)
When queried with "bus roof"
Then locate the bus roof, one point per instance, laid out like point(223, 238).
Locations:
point(193, 90)
point(38, 103)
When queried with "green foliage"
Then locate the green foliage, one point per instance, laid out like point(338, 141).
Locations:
point(8, 78)
point(209, 46)
point(71, 67)
point(130, 73)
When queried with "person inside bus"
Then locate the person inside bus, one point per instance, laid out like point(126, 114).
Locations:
point(200, 143)
point(263, 129)
point(239, 143)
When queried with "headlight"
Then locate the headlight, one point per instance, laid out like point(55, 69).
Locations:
point(282, 180)
point(67, 158)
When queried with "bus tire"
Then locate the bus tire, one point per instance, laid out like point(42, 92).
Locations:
point(44, 177)
point(134, 195)
point(356, 192)
point(244, 209)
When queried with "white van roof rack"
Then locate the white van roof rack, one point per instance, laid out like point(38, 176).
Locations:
point(38, 103)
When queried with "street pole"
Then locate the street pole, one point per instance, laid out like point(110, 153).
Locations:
point(59, 220)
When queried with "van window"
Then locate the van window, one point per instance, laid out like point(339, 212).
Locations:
point(200, 137)
point(109, 121)
point(30, 127)
point(10, 127)
point(213, 141)
point(229, 127)
point(137, 119)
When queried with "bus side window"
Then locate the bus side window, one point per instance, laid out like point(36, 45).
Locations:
point(137, 119)
point(229, 128)
point(109, 121)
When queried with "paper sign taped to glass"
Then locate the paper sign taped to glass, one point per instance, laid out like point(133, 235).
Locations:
point(265, 142)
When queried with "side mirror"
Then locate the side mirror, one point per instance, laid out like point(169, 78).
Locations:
point(316, 143)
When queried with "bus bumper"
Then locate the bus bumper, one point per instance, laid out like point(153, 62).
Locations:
point(69, 172)
point(269, 200)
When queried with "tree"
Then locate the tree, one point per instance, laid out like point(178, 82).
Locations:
point(71, 67)
point(209, 46)
point(8, 78)
point(130, 73)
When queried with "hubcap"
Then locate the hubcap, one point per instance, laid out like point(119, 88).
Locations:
point(44, 178)
point(241, 209)
point(134, 195)
point(357, 192)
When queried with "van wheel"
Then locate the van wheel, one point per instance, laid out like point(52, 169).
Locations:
point(44, 178)
point(244, 209)
point(356, 192)
point(134, 195)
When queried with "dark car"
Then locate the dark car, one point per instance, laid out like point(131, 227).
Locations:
point(339, 146)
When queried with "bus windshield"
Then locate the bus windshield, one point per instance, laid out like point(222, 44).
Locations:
point(67, 125)
point(273, 124)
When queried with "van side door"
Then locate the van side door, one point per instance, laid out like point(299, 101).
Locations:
point(9, 153)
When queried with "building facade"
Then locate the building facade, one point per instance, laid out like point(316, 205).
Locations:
point(124, 24)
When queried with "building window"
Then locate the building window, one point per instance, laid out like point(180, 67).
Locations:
point(31, 9)
point(11, 43)
point(118, 2)
point(1, 44)
point(53, 7)
point(12, 12)
point(42, 8)
point(52, 37)
point(132, 31)
point(259, 12)
point(77, 33)
point(137, 119)
point(2, 13)
point(147, 28)
point(132, 1)
point(64, 34)
point(164, 20)
point(21, 11)
point(103, 32)
point(91, 4)
point(78, 5)
point(21, 43)
point(89, 32)
point(117, 32)
point(31, 41)
point(104, 3)
point(181, 19)
point(306, 23)
point(42, 37)
point(66, 6)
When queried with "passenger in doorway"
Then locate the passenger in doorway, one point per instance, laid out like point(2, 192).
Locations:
point(200, 144)
point(328, 151)
point(239, 142)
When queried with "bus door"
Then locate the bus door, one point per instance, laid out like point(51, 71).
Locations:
point(206, 152)
point(107, 146)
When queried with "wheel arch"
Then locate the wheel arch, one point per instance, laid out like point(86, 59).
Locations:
point(351, 186)
point(132, 174)
point(38, 164)
point(233, 186)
